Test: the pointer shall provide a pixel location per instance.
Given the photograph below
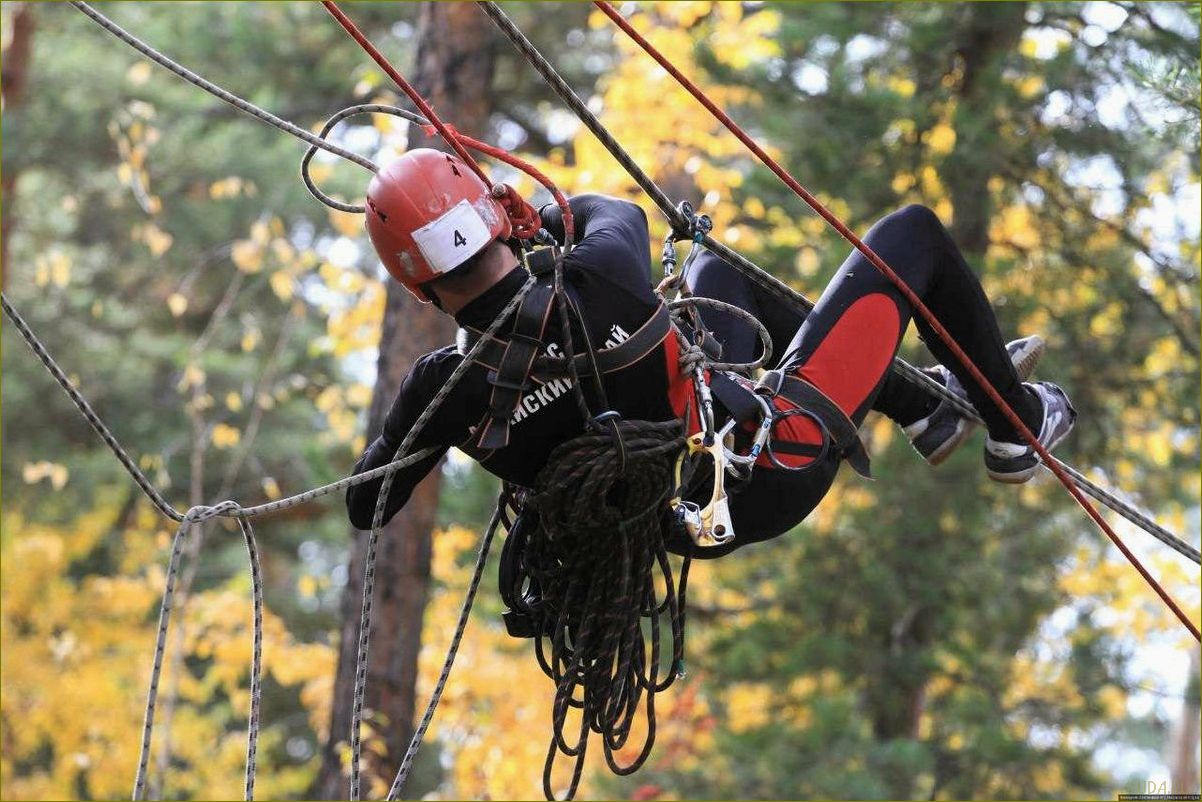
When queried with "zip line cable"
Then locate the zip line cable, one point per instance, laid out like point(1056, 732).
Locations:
point(771, 284)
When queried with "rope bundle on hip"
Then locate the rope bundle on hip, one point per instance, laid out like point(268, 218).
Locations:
point(595, 558)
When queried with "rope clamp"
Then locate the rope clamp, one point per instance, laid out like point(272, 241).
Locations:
point(687, 225)
point(716, 526)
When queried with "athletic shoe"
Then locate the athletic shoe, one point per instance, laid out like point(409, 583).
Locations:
point(1015, 463)
point(937, 435)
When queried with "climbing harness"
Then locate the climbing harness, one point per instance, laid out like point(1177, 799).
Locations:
point(616, 489)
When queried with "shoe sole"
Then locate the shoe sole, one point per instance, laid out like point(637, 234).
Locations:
point(1023, 476)
point(1024, 361)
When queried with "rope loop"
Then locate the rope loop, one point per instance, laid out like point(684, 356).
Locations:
point(526, 222)
point(692, 355)
point(350, 111)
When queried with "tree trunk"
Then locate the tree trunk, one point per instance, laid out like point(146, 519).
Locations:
point(16, 73)
point(984, 35)
point(1183, 748)
point(454, 69)
point(987, 33)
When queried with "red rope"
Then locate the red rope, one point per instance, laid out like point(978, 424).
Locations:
point(569, 223)
point(520, 212)
point(910, 296)
point(406, 87)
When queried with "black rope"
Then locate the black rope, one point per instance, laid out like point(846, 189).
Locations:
point(594, 557)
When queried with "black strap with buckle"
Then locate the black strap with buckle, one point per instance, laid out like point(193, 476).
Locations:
point(512, 371)
point(842, 430)
point(609, 360)
point(739, 401)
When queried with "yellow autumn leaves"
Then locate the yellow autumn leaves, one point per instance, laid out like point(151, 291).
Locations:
point(53, 472)
point(53, 267)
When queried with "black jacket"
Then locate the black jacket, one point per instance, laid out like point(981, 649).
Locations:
point(608, 276)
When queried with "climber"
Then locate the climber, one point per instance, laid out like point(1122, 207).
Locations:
point(440, 232)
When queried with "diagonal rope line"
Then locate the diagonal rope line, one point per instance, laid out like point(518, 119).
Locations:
point(415, 743)
point(215, 90)
point(781, 290)
point(88, 413)
point(226, 509)
point(369, 567)
point(458, 142)
point(427, 111)
point(910, 296)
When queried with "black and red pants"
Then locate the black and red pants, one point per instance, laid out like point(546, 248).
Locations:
point(845, 347)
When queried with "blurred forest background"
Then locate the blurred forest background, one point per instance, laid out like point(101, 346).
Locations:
point(926, 635)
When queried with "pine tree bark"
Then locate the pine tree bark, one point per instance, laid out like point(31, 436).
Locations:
point(455, 59)
point(16, 75)
point(986, 34)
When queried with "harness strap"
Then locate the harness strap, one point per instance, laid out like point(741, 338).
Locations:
point(841, 429)
point(739, 400)
point(609, 360)
point(509, 377)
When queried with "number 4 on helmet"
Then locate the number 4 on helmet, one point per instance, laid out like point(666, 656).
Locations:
point(427, 214)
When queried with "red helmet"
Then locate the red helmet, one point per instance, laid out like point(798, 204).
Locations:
point(428, 213)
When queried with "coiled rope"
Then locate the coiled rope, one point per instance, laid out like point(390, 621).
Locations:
point(780, 290)
point(595, 555)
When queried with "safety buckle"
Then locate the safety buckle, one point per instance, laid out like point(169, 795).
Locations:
point(770, 383)
point(542, 262)
point(496, 381)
